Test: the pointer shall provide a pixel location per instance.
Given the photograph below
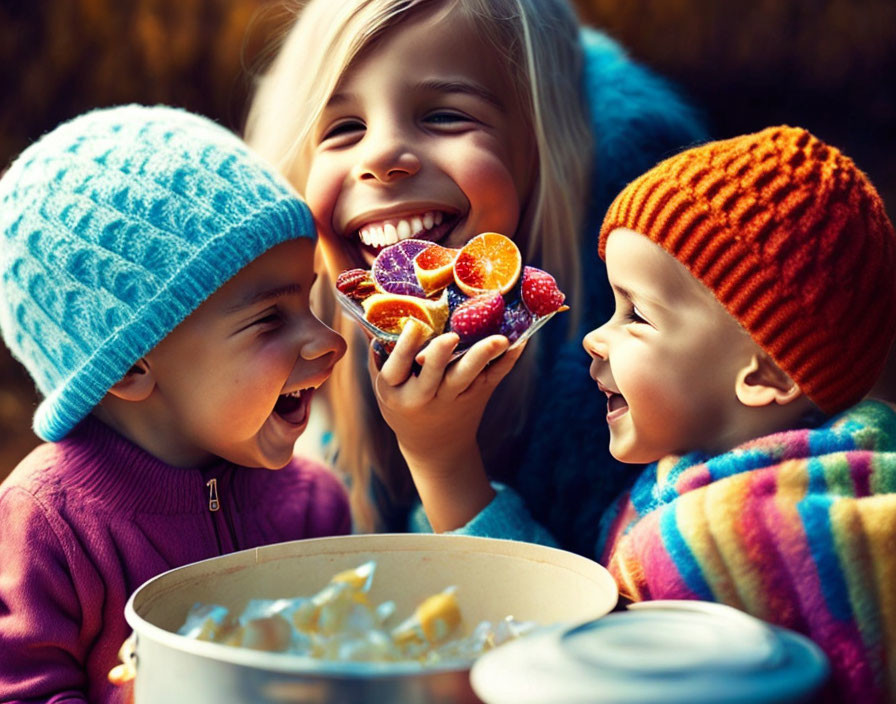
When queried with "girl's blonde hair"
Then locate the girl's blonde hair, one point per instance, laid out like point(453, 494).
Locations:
point(539, 46)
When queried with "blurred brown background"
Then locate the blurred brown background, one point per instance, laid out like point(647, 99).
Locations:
point(828, 65)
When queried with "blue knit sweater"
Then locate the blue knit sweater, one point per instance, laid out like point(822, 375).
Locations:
point(567, 476)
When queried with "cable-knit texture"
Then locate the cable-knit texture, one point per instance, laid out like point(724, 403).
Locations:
point(115, 226)
point(794, 241)
point(796, 528)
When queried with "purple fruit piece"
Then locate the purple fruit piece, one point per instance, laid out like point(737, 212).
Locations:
point(517, 320)
point(393, 268)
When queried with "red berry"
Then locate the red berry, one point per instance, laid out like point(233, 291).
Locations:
point(540, 292)
point(478, 317)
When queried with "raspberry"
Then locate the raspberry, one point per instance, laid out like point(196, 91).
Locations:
point(355, 283)
point(517, 320)
point(478, 317)
point(540, 292)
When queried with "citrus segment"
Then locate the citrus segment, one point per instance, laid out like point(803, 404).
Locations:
point(488, 262)
point(434, 267)
point(389, 311)
point(393, 268)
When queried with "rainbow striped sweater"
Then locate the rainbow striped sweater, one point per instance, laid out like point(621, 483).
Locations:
point(797, 528)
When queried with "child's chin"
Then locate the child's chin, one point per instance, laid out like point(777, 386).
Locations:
point(623, 457)
point(630, 455)
point(619, 450)
point(276, 464)
point(266, 461)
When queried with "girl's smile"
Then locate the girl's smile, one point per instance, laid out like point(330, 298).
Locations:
point(378, 230)
point(421, 138)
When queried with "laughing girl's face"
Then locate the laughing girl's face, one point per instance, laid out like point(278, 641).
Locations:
point(422, 138)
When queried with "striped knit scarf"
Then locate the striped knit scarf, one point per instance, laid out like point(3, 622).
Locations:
point(797, 528)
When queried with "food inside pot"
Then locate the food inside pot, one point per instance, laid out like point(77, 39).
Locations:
point(340, 623)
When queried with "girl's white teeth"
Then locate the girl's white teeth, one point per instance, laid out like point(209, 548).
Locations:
point(372, 235)
point(386, 233)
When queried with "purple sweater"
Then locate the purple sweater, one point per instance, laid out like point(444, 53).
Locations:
point(85, 521)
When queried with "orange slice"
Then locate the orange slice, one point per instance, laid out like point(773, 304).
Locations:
point(488, 262)
point(434, 267)
point(389, 311)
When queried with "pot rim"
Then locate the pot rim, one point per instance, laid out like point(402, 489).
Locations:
point(304, 665)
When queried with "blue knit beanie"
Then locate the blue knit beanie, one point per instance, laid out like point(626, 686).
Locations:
point(115, 226)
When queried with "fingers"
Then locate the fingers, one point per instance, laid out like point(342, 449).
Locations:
point(433, 361)
point(397, 368)
point(473, 365)
point(500, 367)
point(486, 363)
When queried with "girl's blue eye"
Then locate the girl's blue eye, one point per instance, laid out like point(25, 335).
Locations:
point(446, 118)
point(343, 128)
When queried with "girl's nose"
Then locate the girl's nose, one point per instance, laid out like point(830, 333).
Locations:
point(387, 158)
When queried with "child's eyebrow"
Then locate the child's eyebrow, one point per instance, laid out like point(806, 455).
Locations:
point(640, 296)
point(438, 86)
point(266, 295)
point(458, 86)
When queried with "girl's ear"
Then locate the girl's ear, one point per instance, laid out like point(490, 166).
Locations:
point(762, 382)
point(137, 384)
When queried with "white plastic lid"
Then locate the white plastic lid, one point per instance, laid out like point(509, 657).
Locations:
point(658, 651)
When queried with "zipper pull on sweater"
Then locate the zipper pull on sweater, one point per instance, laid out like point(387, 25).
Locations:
point(213, 503)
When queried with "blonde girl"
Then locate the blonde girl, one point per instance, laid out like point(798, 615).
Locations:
point(557, 119)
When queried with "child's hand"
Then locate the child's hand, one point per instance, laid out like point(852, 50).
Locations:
point(441, 400)
point(435, 415)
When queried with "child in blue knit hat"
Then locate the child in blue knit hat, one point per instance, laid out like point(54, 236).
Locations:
point(154, 281)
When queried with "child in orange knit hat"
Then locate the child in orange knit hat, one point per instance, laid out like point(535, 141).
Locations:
point(755, 307)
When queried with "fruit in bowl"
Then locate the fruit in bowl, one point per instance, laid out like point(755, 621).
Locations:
point(478, 290)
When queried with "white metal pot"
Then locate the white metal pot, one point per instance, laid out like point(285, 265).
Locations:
point(495, 578)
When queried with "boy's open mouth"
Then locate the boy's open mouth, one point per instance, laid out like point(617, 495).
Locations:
point(616, 406)
point(293, 407)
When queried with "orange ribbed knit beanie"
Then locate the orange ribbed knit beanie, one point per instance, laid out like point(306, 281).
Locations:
point(792, 239)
